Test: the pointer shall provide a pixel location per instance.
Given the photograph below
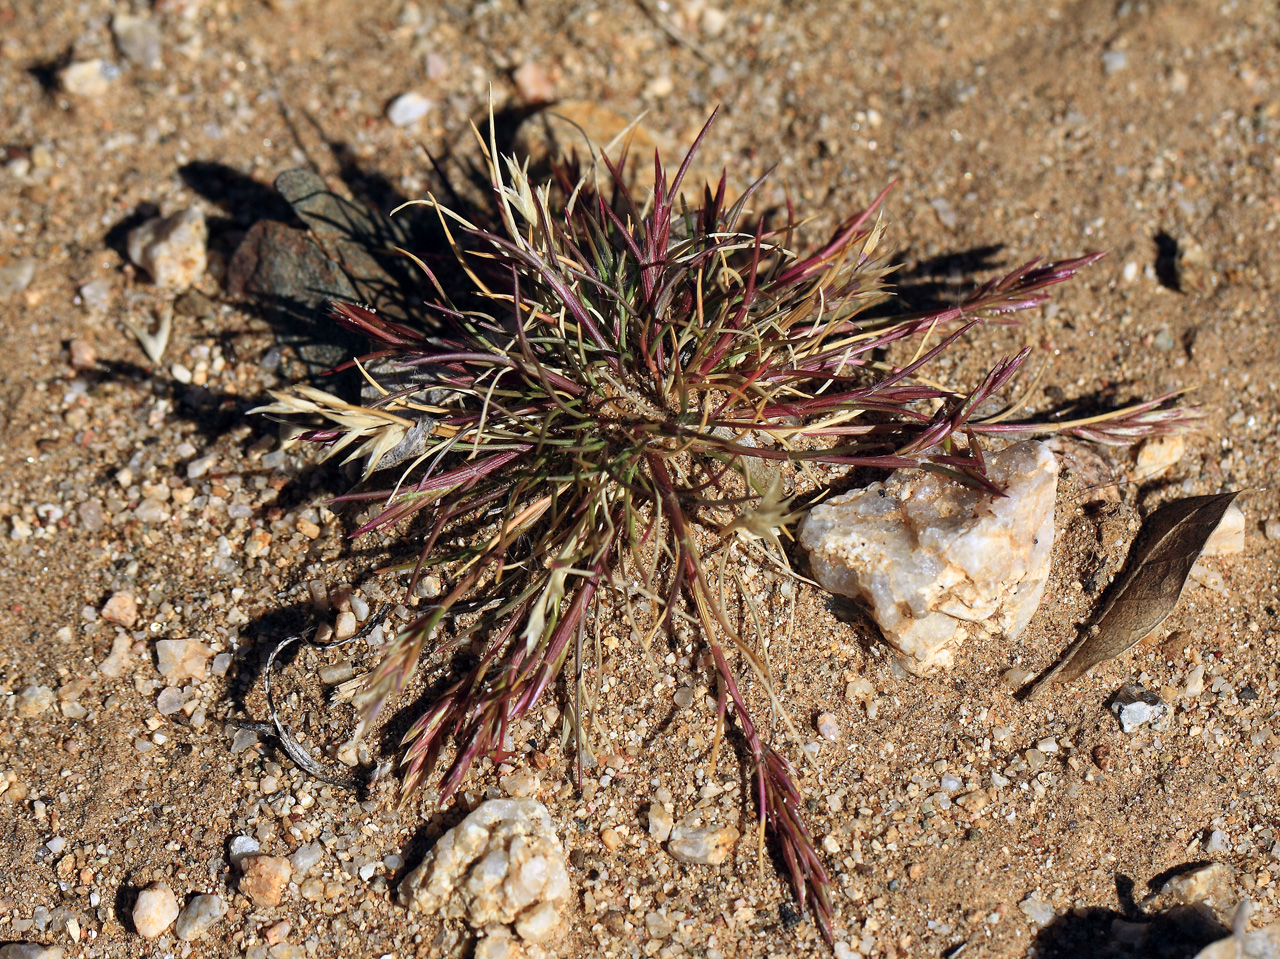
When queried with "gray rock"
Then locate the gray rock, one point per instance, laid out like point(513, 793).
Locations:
point(935, 559)
point(138, 39)
point(171, 248)
point(1136, 707)
point(16, 275)
point(198, 916)
point(155, 910)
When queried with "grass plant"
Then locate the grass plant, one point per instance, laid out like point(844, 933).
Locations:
point(616, 409)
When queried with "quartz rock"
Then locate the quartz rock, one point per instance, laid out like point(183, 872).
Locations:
point(1261, 943)
point(1227, 539)
point(1157, 456)
point(182, 659)
point(1211, 883)
point(705, 844)
point(660, 822)
point(171, 248)
point(155, 910)
point(934, 558)
point(1135, 707)
point(264, 879)
point(88, 78)
point(407, 109)
point(502, 864)
point(32, 701)
point(198, 916)
point(16, 275)
point(121, 609)
point(113, 666)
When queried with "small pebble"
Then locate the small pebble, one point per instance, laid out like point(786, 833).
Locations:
point(319, 595)
point(1037, 910)
point(705, 845)
point(660, 822)
point(1156, 456)
point(534, 83)
point(1271, 529)
point(520, 784)
point(88, 78)
point(172, 248)
point(31, 701)
point(264, 879)
point(1136, 707)
point(345, 626)
point(170, 700)
point(95, 296)
point(82, 355)
point(16, 275)
point(181, 659)
point(1227, 539)
point(243, 739)
point(1194, 685)
point(155, 910)
point(138, 39)
point(609, 836)
point(359, 607)
point(198, 467)
point(198, 916)
point(827, 727)
point(240, 847)
point(305, 857)
point(336, 673)
point(121, 609)
point(113, 666)
point(407, 109)
point(1113, 61)
point(1217, 843)
point(31, 950)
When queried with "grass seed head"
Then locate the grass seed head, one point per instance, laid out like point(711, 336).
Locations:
point(618, 407)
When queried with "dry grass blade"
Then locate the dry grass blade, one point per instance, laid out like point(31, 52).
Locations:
point(1146, 593)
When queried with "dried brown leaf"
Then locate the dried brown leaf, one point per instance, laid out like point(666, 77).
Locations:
point(1148, 590)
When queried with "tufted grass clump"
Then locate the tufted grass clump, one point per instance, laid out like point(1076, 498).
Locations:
point(612, 415)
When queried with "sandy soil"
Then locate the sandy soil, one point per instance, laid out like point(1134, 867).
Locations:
point(1149, 131)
